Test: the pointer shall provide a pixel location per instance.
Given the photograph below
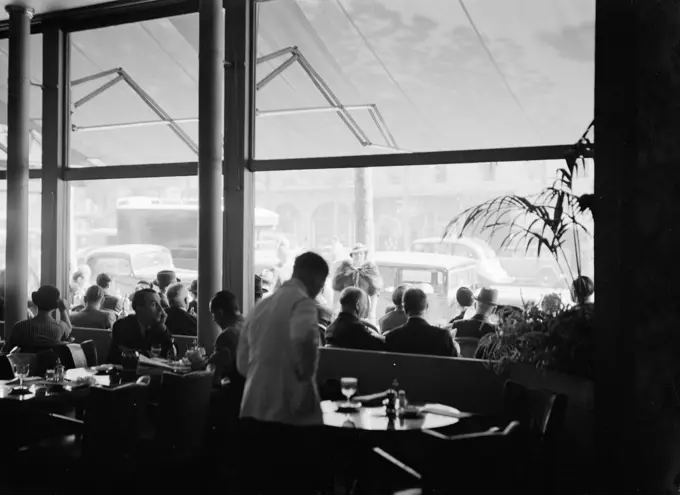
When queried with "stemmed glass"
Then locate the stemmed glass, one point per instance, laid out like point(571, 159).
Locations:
point(348, 385)
point(21, 371)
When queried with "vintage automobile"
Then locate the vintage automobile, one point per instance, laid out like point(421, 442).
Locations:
point(130, 263)
point(489, 269)
point(439, 275)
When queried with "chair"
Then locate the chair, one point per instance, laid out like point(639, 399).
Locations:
point(468, 346)
point(90, 350)
point(87, 449)
point(182, 415)
point(72, 356)
point(541, 414)
point(470, 464)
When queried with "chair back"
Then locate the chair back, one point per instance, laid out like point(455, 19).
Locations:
point(90, 349)
point(113, 422)
point(468, 346)
point(540, 412)
point(72, 356)
point(183, 413)
point(6, 371)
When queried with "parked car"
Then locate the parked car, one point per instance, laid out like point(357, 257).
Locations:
point(527, 267)
point(130, 263)
point(489, 269)
point(439, 275)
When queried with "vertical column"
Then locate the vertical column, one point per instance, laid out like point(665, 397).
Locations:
point(18, 107)
point(55, 241)
point(637, 96)
point(239, 188)
point(210, 122)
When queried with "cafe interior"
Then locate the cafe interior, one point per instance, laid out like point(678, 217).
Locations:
point(395, 84)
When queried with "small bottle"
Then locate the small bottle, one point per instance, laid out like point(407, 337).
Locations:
point(403, 403)
point(59, 371)
point(391, 406)
point(172, 352)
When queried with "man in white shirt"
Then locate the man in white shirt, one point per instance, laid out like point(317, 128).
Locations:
point(278, 355)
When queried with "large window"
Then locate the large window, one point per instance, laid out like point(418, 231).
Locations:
point(349, 77)
point(35, 137)
point(134, 93)
point(134, 228)
point(409, 209)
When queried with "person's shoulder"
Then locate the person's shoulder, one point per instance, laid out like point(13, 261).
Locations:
point(122, 323)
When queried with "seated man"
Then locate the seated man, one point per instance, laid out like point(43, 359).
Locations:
point(179, 321)
point(479, 325)
point(227, 315)
point(110, 302)
point(141, 330)
point(164, 279)
point(465, 299)
point(394, 317)
point(417, 336)
point(348, 330)
point(92, 316)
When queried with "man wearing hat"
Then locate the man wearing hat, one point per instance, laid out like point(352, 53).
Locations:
point(164, 279)
point(362, 273)
point(193, 305)
point(479, 325)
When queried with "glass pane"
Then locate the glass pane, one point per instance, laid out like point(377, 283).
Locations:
point(34, 229)
point(134, 228)
point(149, 115)
point(412, 207)
point(35, 137)
point(422, 76)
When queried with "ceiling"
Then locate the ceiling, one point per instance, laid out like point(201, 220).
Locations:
point(45, 6)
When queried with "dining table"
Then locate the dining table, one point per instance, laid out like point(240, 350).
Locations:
point(374, 418)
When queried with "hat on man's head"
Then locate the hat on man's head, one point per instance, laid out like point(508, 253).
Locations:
point(194, 287)
point(359, 248)
point(488, 296)
point(166, 278)
point(104, 280)
point(46, 297)
point(464, 297)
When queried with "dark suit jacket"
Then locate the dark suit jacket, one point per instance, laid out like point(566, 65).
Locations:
point(476, 327)
point(127, 332)
point(93, 318)
point(350, 332)
point(417, 336)
point(180, 322)
point(460, 316)
point(224, 357)
point(392, 320)
point(112, 303)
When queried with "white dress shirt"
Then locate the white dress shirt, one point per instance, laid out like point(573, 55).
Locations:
point(278, 354)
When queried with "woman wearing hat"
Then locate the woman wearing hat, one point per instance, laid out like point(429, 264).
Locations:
point(362, 273)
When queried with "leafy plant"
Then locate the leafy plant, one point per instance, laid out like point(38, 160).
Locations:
point(547, 336)
point(548, 219)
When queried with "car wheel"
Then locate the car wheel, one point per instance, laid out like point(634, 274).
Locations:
point(549, 278)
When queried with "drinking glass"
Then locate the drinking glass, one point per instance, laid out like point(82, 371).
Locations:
point(21, 371)
point(49, 375)
point(348, 385)
point(156, 350)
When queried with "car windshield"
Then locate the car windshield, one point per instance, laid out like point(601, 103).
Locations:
point(158, 260)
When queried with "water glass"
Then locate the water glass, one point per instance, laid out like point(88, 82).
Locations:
point(348, 385)
point(21, 371)
point(50, 375)
point(156, 351)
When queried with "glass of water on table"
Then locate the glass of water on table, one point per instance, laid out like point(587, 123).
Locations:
point(156, 350)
